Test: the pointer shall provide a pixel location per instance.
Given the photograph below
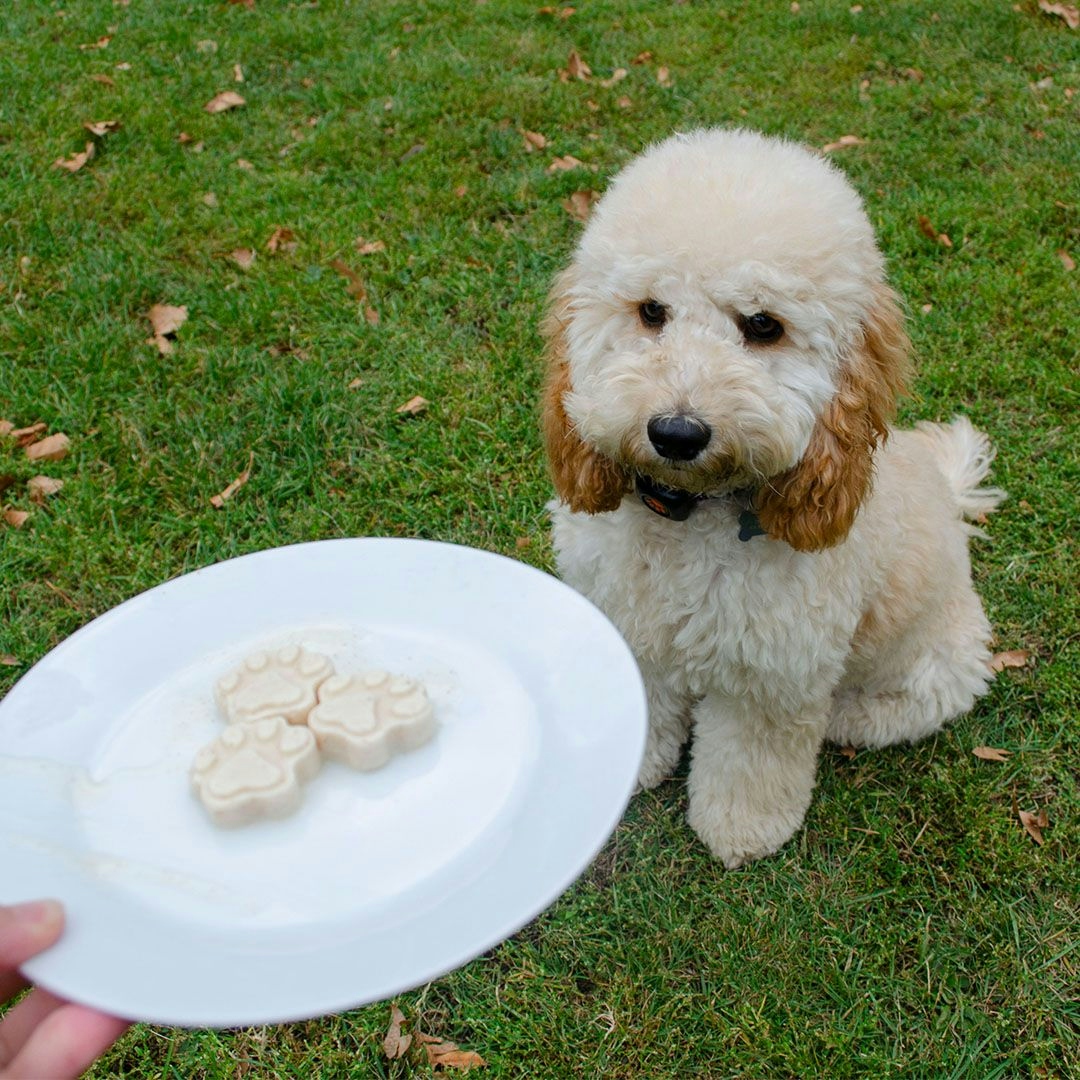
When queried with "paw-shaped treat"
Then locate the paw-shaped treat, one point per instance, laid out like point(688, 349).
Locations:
point(254, 771)
point(281, 683)
point(364, 719)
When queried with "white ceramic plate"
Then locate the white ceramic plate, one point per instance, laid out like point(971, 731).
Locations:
point(381, 881)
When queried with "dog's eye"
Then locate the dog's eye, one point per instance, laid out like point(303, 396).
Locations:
point(652, 313)
point(761, 329)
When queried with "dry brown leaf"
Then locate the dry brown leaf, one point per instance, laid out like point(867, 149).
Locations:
point(1069, 12)
point(624, 102)
point(101, 43)
point(237, 73)
point(555, 12)
point(413, 407)
point(842, 142)
point(242, 163)
point(443, 1054)
point(564, 164)
point(1034, 823)
point(283, 240)
point(394, 1043)
point(210, 199)
point(848, 752)
point(15, 518)
point(243, 257)
point(51, 448)
point(41, 487)
point(534, 141)
point(223, 497)
point(991, 753)
point(356, 383)
point(663, 76)
point(522, 542)
point(227, 99)
point(7, 660)
point(103, 79)
point(74, 163)
point(25, 436)
point(579, 205)
point(617, 76)
point(576, 68)
point(1014, 658)
point(102, 127)
point(6, 427)
point(1066, 260)
point(165, 320)
point(643, 57)
point(355, 284)
point(369, 247)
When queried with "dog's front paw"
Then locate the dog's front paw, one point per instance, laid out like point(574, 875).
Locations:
point(738, 835)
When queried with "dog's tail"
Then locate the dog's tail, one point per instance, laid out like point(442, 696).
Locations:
point(964, 456)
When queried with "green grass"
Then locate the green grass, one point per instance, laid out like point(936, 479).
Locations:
point(912, 928)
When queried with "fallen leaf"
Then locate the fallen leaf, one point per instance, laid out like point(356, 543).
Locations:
point(617, 76)
point(1034, 823)
point(122, 66)
point(394, 1043)
point(355, 284)
point(926, 308)
point(842, 142)
point(1068, 12)
point(624, 102)
point(41, 487)
point(576, 68)
point(210, 199)
point(243, 257)
point(1066, 260)
point(443, 1054)
point(991, 753)
point(102, 127)
point(242, 163)
point(642, 57)
point(103, 79)
point(663, 76)
point(6, 427)
point(237, 73)
point(15, 518)
point(413, 407)
point(7, 660)
point(848, 752)
point(101, 43)
point(25, 436)
point(579, 205)
point(287, 348)
point(926, 227)
point(368, 247)
point(460, 191)
point(206, 46)
point(51, 448)
point(522, 542)
point(223, 497)
point(534, 141)
point(356, 383)
point(74, 163)
point(1014, 658)
point(558, 13)
point(165, 319)
point(283, 240)
point(564, 164)
point(227, 99)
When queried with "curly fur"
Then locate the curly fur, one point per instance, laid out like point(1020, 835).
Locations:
point(854, 617)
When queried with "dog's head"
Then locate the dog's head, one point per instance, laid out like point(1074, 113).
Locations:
point(725, 324)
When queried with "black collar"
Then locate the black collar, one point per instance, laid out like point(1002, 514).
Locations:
point(678, 505)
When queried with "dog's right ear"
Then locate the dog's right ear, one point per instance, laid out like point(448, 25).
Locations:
point(584, 479)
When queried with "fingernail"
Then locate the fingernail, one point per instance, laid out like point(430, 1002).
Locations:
point(38, 912)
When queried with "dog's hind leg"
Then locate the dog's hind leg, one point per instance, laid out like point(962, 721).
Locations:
point(920, 688)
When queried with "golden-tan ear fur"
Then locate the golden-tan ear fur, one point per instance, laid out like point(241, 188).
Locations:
point(813, 505)
point(584, 480)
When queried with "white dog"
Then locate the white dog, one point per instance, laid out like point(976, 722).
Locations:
point(725, 361)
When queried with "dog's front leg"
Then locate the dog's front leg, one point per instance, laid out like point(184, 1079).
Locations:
point(751, 775)
point(669, 726)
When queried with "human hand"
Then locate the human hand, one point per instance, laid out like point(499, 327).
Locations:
point(44, 1035)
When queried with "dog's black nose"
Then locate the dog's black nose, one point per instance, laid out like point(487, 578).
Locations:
point(679, 438)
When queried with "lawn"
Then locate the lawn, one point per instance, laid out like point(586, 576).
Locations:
point(373, 224)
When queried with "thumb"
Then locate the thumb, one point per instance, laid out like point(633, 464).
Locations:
point(27, 929)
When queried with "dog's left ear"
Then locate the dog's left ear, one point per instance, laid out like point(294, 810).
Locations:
point(584, 479)
point(813, 505)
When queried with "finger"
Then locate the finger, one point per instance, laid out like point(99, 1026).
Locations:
point(64, 1044)
point(27, 929)
point(19, 1023)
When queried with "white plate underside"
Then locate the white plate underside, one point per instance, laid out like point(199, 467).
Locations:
point(381, 881)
